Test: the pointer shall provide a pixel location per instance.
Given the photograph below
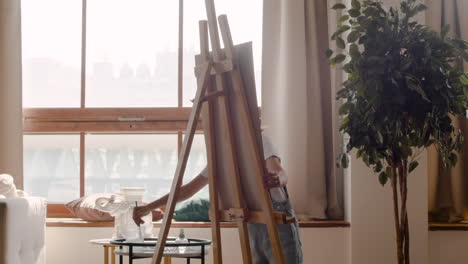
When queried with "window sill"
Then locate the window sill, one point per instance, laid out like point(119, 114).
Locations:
point(75, 222)
point(448, 226)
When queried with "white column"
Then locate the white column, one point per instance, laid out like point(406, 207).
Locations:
point(11, 114)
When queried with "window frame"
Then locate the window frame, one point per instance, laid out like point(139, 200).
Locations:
point(84, 120)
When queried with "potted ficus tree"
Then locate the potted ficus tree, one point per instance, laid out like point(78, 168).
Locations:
point(404, 85)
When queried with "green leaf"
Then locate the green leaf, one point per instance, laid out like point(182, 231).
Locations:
point(339, 31)
point(421, 92)
point(354, 50)
point(421, 7)
point(445, 30)
point(379, 137)
point(353, 36)
point(340, 43)
point(405, 66)
point(343, 110)
point(348, 68)
point(344, 161)
point(356, 4)
point(359, 153)
point(417, 87)
point(345, 122)
point(338, 59)
point(365, 158)
point(342, 93)
point(464, 79)
point(343, 28)
point(429, 142)
point(378, 166)
point(343, 18)
point(412, 166)
point(328, 53)
point(338, 6)
point(388, 172)
point(362, 39)
point(383, 178)
point(354, 13)
point(338, 160)
point(453, 159)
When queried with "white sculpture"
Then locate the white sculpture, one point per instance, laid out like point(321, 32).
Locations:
point(122, 210)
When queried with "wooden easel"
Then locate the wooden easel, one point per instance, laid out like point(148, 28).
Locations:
point(222, 98)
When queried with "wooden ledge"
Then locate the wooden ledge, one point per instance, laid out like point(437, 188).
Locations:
point(448, 226)
point(75, 222)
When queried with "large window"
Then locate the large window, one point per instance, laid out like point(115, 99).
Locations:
point(103, 107)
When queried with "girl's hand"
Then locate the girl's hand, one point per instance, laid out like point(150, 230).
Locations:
point(139, 212)
point(271, 180)
point(157, 215)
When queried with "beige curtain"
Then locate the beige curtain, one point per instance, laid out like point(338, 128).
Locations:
point(298, 108)
point(448, 188)
point(11, 126)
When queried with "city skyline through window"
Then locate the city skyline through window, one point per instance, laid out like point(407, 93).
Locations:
point(131, 52)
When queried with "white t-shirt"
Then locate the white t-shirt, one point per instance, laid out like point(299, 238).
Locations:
point(277, 194)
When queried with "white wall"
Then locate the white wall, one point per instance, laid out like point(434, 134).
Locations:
point(372, 225)
point(70, 244)
point(320, 245)
point(448, 247)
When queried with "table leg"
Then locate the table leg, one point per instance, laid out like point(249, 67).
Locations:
point(113, 255)
point(130, 255)
point(106, 254)
point(202, 254)
point(120, 256)
point(167, 260)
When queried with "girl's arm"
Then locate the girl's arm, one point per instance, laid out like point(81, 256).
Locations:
point(186, 191)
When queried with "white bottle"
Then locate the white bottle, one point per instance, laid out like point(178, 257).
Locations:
point(181, 239)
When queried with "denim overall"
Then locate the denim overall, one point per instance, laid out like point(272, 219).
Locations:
point(288, 234)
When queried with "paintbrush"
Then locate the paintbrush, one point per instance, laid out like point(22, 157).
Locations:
point(140, 233)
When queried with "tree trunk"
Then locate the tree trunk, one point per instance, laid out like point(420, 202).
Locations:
point(396, 214)
point(400, 194)
point(405, 219)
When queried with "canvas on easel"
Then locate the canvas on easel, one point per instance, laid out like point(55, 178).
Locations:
point(226, 99)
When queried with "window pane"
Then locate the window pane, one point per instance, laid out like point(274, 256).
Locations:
point(196, 163)
point(52, 166)
point(132, 53)
point(130, 160)
point(51, 45)
point(245, 21)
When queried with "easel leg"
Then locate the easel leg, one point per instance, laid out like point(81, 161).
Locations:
point(214, 207)
point(179, 174)
point(211, 155)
